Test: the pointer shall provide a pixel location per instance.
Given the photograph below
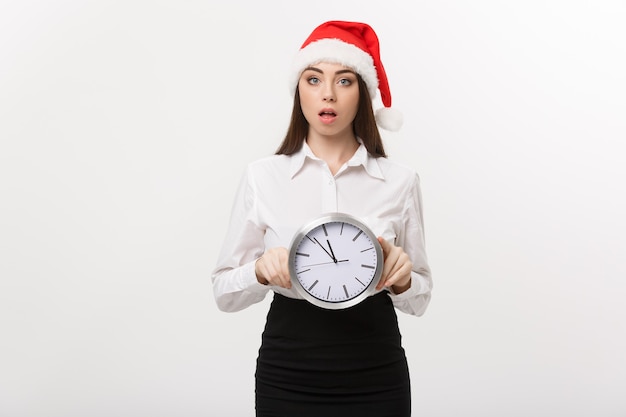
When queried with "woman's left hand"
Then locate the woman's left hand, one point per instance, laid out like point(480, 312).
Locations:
point(397, 268)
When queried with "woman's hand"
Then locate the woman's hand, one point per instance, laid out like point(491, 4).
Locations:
point(396, 269)
point(273, 268)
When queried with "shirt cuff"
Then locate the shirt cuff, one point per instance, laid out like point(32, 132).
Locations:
point(418, 285)
point(249, 280)
point(409, 293)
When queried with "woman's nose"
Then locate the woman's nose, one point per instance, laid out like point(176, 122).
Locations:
point(329, 93)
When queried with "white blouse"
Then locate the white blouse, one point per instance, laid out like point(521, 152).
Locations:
point(279, 194)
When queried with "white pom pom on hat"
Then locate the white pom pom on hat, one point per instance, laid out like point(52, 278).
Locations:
point(389, 118)
point(354, 45)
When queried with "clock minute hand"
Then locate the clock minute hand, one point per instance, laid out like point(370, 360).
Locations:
point(327, 253)
point(331, 250)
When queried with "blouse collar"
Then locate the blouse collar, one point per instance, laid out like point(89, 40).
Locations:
point(360, 157)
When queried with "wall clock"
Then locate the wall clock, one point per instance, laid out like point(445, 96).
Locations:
point(335, 261)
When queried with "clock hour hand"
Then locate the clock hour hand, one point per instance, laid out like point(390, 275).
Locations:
point(327, 253)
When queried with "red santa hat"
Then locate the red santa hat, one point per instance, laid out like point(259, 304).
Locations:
point(354, 45)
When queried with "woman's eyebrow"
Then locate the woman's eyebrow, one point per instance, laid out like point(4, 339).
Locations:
point(313, 69)
point(343, 71)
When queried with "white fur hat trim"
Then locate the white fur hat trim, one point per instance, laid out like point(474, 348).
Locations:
point(338, 52)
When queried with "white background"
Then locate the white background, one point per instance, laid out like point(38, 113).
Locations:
point(125, 126)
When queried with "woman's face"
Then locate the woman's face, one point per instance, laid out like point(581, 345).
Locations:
point(329, 98)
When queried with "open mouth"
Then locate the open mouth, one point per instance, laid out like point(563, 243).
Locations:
point(328, 114)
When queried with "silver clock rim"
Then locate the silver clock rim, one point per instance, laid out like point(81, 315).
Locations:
point(328, 218)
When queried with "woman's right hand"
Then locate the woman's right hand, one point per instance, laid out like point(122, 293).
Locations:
point(273, 268)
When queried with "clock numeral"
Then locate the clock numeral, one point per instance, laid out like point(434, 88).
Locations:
point(302, 254)
point(341, 231)
point(368, 266)
point(346, 291)
point(325, 231)
point(302, 272)
point(359, 281)
point(365, 250)
point(328, 295)
point(313, 285)
point(357, 235)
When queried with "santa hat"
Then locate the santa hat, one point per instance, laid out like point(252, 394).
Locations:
point(354, 45)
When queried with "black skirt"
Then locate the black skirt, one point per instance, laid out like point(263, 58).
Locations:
point(317, 362)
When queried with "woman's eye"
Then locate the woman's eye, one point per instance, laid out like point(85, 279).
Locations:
point(313, 80)
point(345, 81)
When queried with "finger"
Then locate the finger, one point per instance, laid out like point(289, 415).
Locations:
point(284, 273)
point(277, 276)
point(285, 267)
point(397, 267)
point(280, 267)
point(401, 273)
point(390, 253)
point(386, 247)
point(389, 271)
point(266, 271)
point(267, 268)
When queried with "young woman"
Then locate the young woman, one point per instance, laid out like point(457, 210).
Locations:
point(312, 361)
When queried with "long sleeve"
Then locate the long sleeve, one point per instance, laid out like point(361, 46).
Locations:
point(414, 300)
point(279, 193)
point(235, 286)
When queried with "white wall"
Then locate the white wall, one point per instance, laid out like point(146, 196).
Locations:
point(125, 126)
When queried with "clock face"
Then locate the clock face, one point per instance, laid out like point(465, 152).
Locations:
point(335, 262)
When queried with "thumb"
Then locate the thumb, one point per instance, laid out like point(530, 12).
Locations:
point(386, 246)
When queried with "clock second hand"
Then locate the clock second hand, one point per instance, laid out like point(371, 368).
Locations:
point(324, 263)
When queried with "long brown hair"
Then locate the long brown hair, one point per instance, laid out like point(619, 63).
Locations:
point(364, 126)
